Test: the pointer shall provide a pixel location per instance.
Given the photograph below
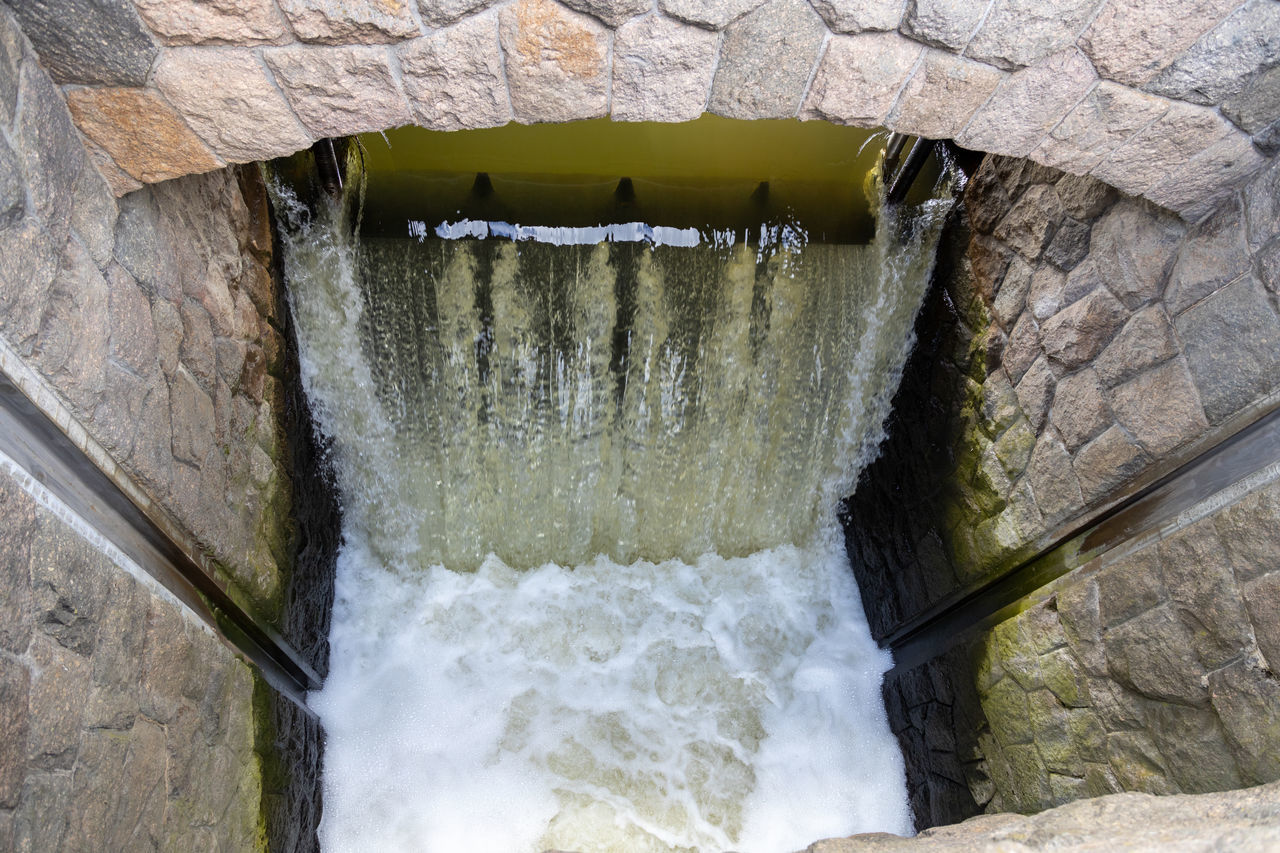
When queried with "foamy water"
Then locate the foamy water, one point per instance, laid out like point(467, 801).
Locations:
point(592, 595)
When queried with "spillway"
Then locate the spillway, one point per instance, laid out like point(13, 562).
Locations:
point(592, 593)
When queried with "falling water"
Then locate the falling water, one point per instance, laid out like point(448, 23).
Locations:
point(592, 594)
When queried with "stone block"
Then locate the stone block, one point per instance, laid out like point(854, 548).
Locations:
point(49, 150)
point(141, 132)
point(14, 722)
point(59, 684)
point(1023, 348)
point(1162, 148)
point(1247, 530)
point(1257, 106)
point(1012, 293)
point(1133, 247)
point(192, 418)
point(1153, 654)
point(1054, 482)
point(1131, 40)
point(989, 259)
point(710, 14)
point(1079, 409)
point(1246, 697)
point(28, 266)
point(39, 822)
point(1160, 408)
point(985, 197)
point(1028, 789)
point(1145, 341)
point(1138, 765)
point(454, 78)
point(612, 12)
point(1212, 255)
point(166, 659)
point(1267, 265)
point(74, 330)
point(338, 91)
point(1079, 332)
point(1028, 104)
point(1078, 610)
point(1069, 246)
point(442, 13)
point(948, 24)
point(1005, 706)
point(238, 22)
point(133, 337)
point(557, 62)
point(1223, 59)
point(662, 70)
point(1107, 118)
point(1129, 587)
point(119, 785)
point(1200, 185)
point(81, 41)
point(13, 188)
point(942, 95)
point(226, 97)
point(1232, 341)
point(1029, 224)
point(120, 183)
point(1262, 205)
point(1262, 601)
point(350, 21)
point(1013, 448)
point(1107, 462)
point(93, 214)
point(1050, 724)
point(1017, 33)
point(1200, 582)
point(1065, 678)
point(1045, 296)
point(1035, 392)
point(766, 59)
point(1083, 197)
point(113, 701)
point(12, 48)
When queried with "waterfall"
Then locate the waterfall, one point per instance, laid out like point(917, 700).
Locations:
point(592, 594)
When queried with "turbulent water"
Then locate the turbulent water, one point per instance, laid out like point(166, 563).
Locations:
point(592, 594)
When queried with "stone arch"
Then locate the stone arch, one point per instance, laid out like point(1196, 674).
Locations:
point(1175, 101)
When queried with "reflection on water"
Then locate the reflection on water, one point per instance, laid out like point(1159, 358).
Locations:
point(592, 594)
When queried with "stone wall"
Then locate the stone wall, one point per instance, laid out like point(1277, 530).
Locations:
point(1176, 100)
point(1077, 345)
point(155, 321)
point(125, 723)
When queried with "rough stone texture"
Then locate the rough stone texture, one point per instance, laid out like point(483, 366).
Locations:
point(142, 133)
point(211, 90)
point(226, 22)
point(765, 61)
point(1129, 41)
point(1256, 106)
point(88, 42)
point(855, 16)
point(613, 12)
point(662, 70)
point(942, 95)
point(454, 79)
point(345, 21)
point(337, 91)
point(1173, 139)
point(1017, 33)
point(943, 23)
point(1219, 64)
point(441, 13)
point(556, 62)
point(1028, 104)
point(712, 14)
point(1108, 117)
point(859, 78)
point(114, 701)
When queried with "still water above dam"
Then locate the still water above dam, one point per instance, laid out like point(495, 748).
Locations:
point(592, 594)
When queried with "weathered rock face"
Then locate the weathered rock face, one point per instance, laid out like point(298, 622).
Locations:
point(1078, 342)
point(1178, 102)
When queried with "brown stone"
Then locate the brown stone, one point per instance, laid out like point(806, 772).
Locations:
point(1130, 586)
point(142, 133)
point(1246, 529)
point(1012, 293)
point(238, 22)
point(1035, 392)
point(1076, 334)
point(133, 338)
point(454, 78)
point(1133, 247)
point(1262, 601)
point(1130, 40)
point(14, 721)
point(1107, 118)
point(1017, 33)
point(1162, 147)
point(1054, 483)
point(710, 14)
point(557, 62)
point(338, 91)
point(1152, 654)
point(228, 100)
point(1108, 462)
point(662, 70)
point(1246, 697)
point(1160, 408)
point(1084, 197)
point(1026, 228)
point(1145, 341)
point(56, 705)
point(1079, 410)
point(1194, 746)
point(1045, 296)
point(942, 95)
point(1023, 348)
point(1198, 187)
point(441, 13)
point(1200, 582)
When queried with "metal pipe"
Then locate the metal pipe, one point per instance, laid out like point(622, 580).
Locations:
point(327, 166)
point(910, 169)
point(892, 151)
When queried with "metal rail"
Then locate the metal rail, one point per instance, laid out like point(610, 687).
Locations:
point(36, 444)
